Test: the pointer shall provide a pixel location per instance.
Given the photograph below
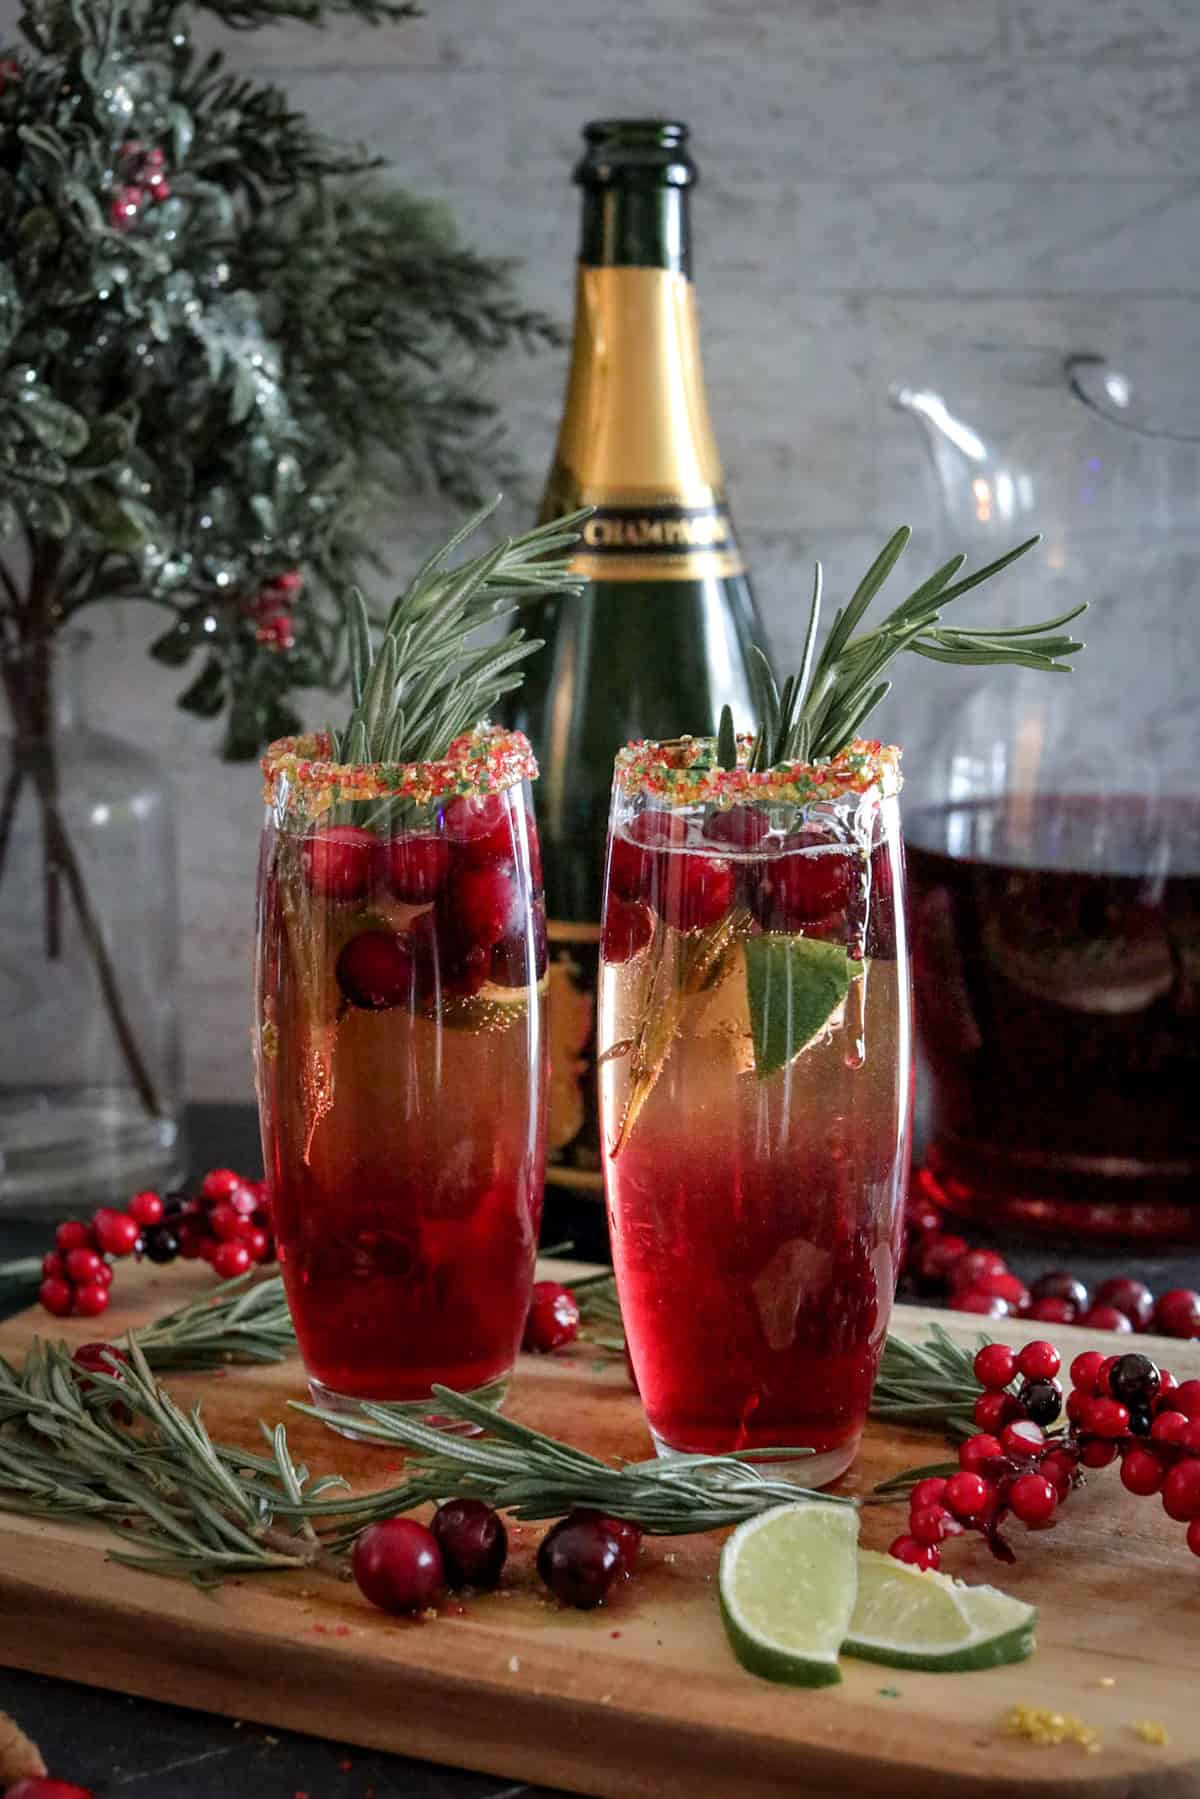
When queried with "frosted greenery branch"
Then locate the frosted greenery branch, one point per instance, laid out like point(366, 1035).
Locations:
point(427, 682)
point(823, 706)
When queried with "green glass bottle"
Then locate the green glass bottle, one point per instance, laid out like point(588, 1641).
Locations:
point(657, 644)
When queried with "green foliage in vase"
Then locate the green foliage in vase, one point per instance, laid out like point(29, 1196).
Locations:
point(226, 347)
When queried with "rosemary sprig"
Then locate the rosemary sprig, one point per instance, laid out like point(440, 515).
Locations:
point(427, 683)
point(243, 1320)
point(930, 1384)
point(825, 703)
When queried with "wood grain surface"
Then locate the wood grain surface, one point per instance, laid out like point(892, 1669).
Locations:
point(643, 1698)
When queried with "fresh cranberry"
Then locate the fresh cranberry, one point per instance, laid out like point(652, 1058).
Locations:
point(917, 1555)
point(553, 1318)
point(258, 1242)
point(478, 823)
point(1039, 1361)
point(966, 1496)
point(1177, 1313)
point(976, 1268)
point(987, 1305)
point(1132, 1297)
point(116, 1233)
point(92, 1299)
point(512, 963)
point(628, 928)
point(56, 1296)
point(484, 904)
point(338, 861)
point(995, 1365)
point(1181, 1492)
point(1186, 1399)
point(1059, 1284)
point(72, 1233)
point(1105, 1318)
point(83, 1265)
point(1085, 1371)
point(146, 1209)
point(739, 828)
point(398, 1565)
point(473, 1542)
point(1052, 1311)
point(927, 1523)
point(992, 1411)
point(40, 1786)
point(974, 1454)
point(692, 891)
point(375, 970)
point(921, 1216)
point(1033, 1499)
point(1005, 1286)
point(801, 884)
point(417, 865)
point(579, 1559)
point(232, 1259)
point(629, 1536)
point(935, 1258)
point(929, 1491)
point(1141, 1471)
point(90, 1359)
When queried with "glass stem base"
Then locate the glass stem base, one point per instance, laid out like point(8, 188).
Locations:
point(348, 1415)
point(819, 1470)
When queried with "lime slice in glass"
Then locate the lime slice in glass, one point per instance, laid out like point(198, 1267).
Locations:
point(795, 986)
point(787, 1585)
point(912, 1619)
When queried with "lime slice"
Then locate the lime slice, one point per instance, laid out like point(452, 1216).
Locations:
point(912, 1619)
point(794, 986)
point(787, 1584)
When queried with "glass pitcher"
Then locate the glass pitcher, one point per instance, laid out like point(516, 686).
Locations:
point(1052, 822)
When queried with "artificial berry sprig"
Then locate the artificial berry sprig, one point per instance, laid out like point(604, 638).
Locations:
point(943, 1265)
point(227, 1222)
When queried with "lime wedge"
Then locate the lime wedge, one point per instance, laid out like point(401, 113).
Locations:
point(787, 1583)
point(794, 986)
point(912, 1619)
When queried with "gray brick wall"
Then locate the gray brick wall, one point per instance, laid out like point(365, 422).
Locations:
point(880, 178)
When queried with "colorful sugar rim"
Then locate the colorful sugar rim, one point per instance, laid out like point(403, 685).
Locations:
point(489, 760)
point(685, 773)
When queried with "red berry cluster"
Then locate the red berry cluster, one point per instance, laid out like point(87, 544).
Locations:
point(404, 1567)
point(271, 608)
point(228, 1223)
point(689, 875)
point(1119, 1406)
point(471, 923)
point(144, 181)
point(979, 1280)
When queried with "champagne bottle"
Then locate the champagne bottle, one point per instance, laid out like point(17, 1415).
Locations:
point(658, 640)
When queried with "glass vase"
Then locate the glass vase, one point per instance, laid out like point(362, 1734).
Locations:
point(89, 931)
point(756, 1092)
point(400, 1000)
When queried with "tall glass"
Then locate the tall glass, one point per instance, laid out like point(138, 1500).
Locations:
point(400, 998)
point(756, 1092)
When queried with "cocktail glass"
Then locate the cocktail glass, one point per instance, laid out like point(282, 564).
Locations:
point(756, 1092)
point(400, 1029)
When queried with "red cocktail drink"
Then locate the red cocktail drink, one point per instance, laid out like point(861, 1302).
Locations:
point(756, 1085)
point(402, 958)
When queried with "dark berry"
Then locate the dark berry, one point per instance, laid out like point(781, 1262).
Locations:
point(629, 1536)
point(801, 885)
point(417, 865)
point(579, 1559)
point(740, 827)
point(338, 861)
point(692, 891)
point(162, 1245)
point(628, 928)
point(1134, 1380)
point(1132, 1297)
point(375, 970)
point(1177, 1313)
point(398, 1565)
point(1059, 1284)
point(473, 1542)
point(1140, 1420)
point(1041, 1400)
point(553, 1318)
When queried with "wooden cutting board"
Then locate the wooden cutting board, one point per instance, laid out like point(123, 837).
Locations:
point(643, 1698)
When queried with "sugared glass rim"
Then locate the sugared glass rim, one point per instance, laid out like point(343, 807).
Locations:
point(684, 772)
point(488, 760)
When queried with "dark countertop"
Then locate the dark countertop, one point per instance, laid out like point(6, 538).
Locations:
point(117, 1745)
